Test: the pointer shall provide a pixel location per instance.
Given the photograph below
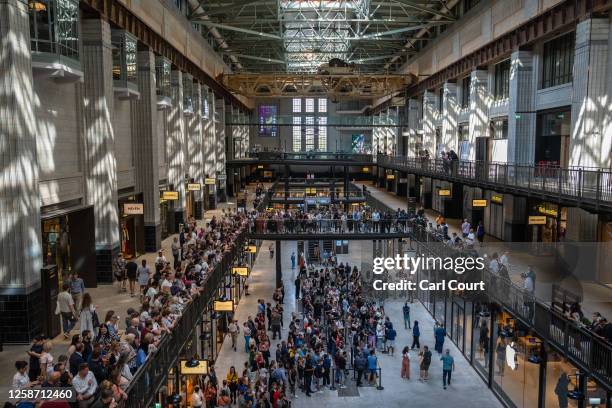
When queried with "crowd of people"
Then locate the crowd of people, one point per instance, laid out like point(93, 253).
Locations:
point(104, 354)
point(336, 337)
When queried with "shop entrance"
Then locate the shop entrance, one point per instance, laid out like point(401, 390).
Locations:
point(131, 226)
point(552, 138)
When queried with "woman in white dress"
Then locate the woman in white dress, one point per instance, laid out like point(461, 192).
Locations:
point(86, 316)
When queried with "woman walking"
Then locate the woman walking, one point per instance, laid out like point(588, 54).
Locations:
point(406, 363)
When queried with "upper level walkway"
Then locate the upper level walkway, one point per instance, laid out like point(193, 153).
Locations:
point(588, 188)
point(304, 158)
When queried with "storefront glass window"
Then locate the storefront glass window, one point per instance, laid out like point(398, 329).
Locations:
point(458, 323)
point(552, 140)
point(56, 243)
point(188, 93)
point(468, 329)
point(162, 76)
point(481, 332)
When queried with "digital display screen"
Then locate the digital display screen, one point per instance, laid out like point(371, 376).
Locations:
point(267, 120)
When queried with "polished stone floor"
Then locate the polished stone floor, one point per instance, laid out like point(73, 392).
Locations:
point(467, 390)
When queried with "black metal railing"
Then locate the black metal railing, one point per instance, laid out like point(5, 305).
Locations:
point(583, 184)
point(151, 375)
point(331, 156)
point(330, 226)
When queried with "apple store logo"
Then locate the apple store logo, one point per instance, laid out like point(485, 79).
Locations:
point(511, 356)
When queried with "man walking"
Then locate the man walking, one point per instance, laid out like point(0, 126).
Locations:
point(65, 304)
point(293, 260)
point(77, 288)
point(416, 333)
point(406, 310)
point(233, 330)
point(448, 366)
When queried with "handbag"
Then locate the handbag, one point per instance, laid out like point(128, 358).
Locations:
point(57, 308)
point(95, 320)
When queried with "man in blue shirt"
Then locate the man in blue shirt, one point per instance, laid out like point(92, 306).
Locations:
point(372, 365)
point(390, 336)
point(448, 366)
point(406, 310)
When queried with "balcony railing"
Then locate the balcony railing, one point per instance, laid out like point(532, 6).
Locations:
point(582, 184)
point(331, 156)
point(151, 375)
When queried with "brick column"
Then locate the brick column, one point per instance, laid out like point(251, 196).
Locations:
point(521, 115)
point(450, 111)
point(99, 142)
point(591, 138)
point(20, 237)
point(479, 109)
point(176, 148)
point(146, 159)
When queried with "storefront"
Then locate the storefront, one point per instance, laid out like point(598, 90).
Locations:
point(165, 217)
point(553, 138)
point(553, 230)
point(131, 226)
point(494, 214)
point(68, 242)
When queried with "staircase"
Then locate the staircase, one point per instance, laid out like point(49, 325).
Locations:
point(312, 252)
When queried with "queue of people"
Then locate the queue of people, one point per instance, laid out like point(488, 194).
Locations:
point(105, 354)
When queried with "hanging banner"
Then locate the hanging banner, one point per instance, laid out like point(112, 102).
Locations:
point(170, 195)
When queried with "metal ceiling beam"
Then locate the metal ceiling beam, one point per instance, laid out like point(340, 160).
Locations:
point(420, 8)
point(391, 32)
point(237, 29)
point(256, 58)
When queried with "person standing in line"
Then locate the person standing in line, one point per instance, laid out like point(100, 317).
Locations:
point(448, 366)
point(77, 288)
point(424, 364)
point(561, 390)
point(34, 353)
point(131, 269)
point(298, 284)
point(308, 371)
point(360, 365)
point(176, 249)
point(416, 333)
point(197, 397)
point(65, 304)
point(246, 332)
point(405, 373)
point(143, 278)
point(406, 310)
point(390, 335)
point(372, 366)
point(293, 260)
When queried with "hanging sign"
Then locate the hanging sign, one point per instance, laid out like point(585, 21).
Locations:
point(210, 181)
point(224, 306)
point(497, 198)
point(444, 193)
point(537, 220)
point(251, 249)
point(194, 187)
point(133, 208)
point(200, 369)
point(390, 176)
point(170, 195)
point(479, 203)
point(240, 270)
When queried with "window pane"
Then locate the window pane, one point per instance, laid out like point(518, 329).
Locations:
point(558, 61)
point(297, 133)
point(309, 105)
point(322, 105)
point(502, 80)
point(297, 105)
point(465, 92)
point(323, 134)
point(309, 131)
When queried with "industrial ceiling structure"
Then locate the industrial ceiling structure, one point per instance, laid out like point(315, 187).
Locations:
point(300, 36)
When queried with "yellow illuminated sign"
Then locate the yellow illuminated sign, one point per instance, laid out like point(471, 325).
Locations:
point(537, 220)
point(267, 174)
point(201, 369)
point(444, 193)
point(311, 191)
point(547, 211)
point(497, 198)
point(210, 181)
point(170, 195)
point(479, 203)
point(133, 208)
point(366, 169)
point(251, 249)
point(260, 166)
point(224, 306)
point(240, 270)
point(390, 176)
point(194, 187)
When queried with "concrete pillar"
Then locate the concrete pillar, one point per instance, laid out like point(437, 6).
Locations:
point(99, 142)
point(430, 115)
point(209, 151)
point(479, 109)
point(196, 148)
point(20, 233)
point(591, 137)
point(176, 148)
point(220, 150)
point(521, 110)
point(414, 127)
point(450, 112)
point(146, 159)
